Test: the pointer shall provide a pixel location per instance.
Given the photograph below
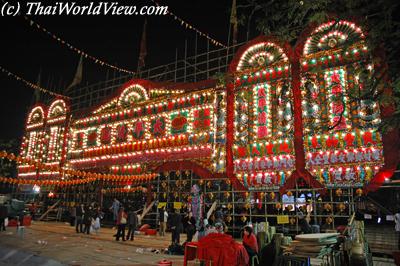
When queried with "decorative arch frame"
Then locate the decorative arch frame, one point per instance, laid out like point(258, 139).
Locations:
point(57, 108)
point(37, 110)
point(136, 91)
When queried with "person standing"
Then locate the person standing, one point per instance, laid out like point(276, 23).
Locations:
point(80, 211)
point(175, 223)
point(189, 224)
point(115, 209)
point(163, 220)
point(121, 224)
point(397, 227)
point(3, 216)
point(250, 241)
point(87, 219)
point(132, 224)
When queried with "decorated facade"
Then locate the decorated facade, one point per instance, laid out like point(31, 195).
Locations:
point(284, 115)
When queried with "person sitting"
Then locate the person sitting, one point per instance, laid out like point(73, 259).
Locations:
point(250, 241)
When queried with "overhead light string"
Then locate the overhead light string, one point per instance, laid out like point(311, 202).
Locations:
point(191, 27)
point(76, 50)
point(30, 84)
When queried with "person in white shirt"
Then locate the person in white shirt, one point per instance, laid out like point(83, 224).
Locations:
point(163, 221)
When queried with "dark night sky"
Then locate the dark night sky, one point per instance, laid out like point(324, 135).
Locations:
point(24, 49)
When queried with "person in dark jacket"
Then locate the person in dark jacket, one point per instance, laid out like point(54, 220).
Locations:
point(3, 216)
point(189, 223)
point(132, 224)
point(175, 224)
point(87, 219)
point(80, 211)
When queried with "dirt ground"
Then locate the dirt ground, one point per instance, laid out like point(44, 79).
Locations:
point(60, 242)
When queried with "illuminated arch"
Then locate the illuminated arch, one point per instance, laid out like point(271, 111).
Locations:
point(36, 116)
point(261, 54)
point(331, 35)
point(57, 108)
point(133, 94)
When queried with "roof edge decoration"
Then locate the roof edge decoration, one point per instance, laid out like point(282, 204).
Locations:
point(260, 52)
point(37, 115)
point(331, 35)
point(57, 108)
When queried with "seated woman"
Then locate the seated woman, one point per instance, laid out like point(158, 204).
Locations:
point(250, 241)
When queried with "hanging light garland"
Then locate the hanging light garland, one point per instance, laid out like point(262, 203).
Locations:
point(88, 176)
point(73, 48)
point(189, 26)
point(30, 84)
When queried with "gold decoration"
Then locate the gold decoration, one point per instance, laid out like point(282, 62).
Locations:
point(359, 192)
point(209, 184)
point(289, 194)
point(229, 206)
point(272, 195)
point(327, 207)
point(292, 220)
point(332, 42)
point(278, 206)
point(341, 207)
point(228, 219)
point(339, 192)
point(329, 220)
point(243, 218)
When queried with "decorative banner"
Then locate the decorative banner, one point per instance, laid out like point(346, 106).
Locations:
point(92, 138)
point(282, 219)
point(363, 155)
point(138, 130)
point(202, 119)
point(162, 204)
point(105, 135)
point(273, 163)
point(177, 205)
point(158, 127)
point(179, 123)
point(121, 133)
point(262, 103)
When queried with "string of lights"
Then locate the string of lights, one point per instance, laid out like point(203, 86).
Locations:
point(76, 50)
point(30, 84)
point(191, 27)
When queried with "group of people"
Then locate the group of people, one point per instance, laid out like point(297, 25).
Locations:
point(176, 223)
point(87, 218)
point(124, 218)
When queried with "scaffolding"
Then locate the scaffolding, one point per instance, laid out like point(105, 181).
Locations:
point(195, 68)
